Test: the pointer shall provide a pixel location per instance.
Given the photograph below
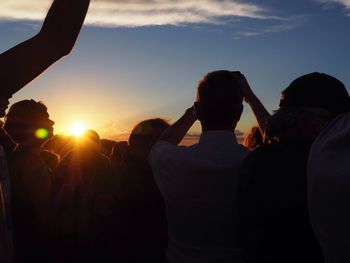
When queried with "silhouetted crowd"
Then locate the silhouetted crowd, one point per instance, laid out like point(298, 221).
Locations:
point(282, 196)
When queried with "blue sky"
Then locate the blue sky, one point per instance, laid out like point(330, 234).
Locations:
point(141, 59)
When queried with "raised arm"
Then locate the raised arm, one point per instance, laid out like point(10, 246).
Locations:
point(259, 110)
point(24, 62)
point(176, 132)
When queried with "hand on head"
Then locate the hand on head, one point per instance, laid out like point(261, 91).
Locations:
point(247, 91)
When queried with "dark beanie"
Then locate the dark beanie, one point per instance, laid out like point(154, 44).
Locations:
point(317, 90)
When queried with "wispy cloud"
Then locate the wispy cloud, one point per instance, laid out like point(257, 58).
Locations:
point(344, 3)
point(135, 13)
point(282, 25)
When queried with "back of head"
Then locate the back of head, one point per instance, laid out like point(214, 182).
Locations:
point(220, 98)
point(317, 90)
point(147, 132)
point(90, 141)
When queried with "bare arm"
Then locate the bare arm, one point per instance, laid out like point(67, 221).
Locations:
point(176, 132)
point(24, 62)
point(259, 110)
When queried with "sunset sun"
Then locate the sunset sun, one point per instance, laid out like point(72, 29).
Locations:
point(77, 129)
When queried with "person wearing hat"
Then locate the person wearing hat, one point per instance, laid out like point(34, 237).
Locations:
point(23, 63)
point(273, 195)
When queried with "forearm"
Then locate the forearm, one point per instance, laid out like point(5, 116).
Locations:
point(176, 132)
point(63, 23)
point(26, 61)
point(261, 114)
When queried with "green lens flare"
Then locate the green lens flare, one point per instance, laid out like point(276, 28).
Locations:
point(41, 133)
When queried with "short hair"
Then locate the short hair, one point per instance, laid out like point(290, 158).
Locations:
point(221, 96)
point(147, 132)
point(23, 117)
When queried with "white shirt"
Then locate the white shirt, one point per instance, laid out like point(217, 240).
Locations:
point(199, 187)
point(329, 189)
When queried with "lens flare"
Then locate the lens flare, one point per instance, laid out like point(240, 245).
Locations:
point(41, 133)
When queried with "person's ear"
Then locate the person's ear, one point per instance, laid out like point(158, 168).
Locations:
point(197, 107)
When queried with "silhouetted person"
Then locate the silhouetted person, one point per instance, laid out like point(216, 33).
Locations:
point(141, 206)
point(5, 140)
point(107, 146)
point(24, 62)
point(199, 183)
point(117, 155)
point(273, 198)
point(329, 189)
point(6, 244)
point(28, 124)
point(60, 144)
point(82, 192)
point(51, 159)
point(253, 138)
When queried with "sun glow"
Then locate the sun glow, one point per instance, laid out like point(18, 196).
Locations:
point(77, 129)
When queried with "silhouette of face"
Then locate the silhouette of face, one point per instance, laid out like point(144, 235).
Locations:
point(4, 102)
point(47, 124)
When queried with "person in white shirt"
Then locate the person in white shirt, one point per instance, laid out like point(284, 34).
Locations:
point(199, 182)
point(329, 189)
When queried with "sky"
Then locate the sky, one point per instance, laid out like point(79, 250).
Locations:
point(138, 59)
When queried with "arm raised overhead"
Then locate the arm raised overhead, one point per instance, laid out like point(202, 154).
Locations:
point(24, 62)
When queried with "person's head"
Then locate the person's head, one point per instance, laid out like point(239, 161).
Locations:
point(316, 90)
point(219, 100)
point(306, 105)
point(253, 138)
point(297, 124)
point(28, 123)
point(146, 133)
point(90, 141)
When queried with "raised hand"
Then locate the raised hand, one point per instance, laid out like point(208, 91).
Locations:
point(24, 62)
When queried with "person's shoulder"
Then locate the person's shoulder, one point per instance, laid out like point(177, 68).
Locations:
point(28, 165)
point(103, 158)
point(164, 147)
point(267, 159)
point(24, 157)
point(337, 130)
point(165, 153)
point(243, 150)
point(266, 151)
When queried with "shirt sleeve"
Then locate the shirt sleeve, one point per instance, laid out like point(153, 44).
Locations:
point(158, 152)
point(165, 160)
point(328, 188)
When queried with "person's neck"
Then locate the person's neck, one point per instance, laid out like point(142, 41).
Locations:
point(208, 127)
